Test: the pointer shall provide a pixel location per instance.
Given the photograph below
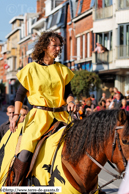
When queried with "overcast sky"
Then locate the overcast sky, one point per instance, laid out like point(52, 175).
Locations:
point(10, 9)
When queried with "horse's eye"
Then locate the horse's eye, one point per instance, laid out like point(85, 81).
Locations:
point(124, 141)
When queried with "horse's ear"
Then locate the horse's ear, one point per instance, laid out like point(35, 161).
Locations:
point(121, 116)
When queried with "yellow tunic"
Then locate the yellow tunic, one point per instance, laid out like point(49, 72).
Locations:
point(46, 87)
point(40, 173)
point(9, 152)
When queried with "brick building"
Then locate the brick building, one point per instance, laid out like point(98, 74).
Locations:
point(79, 36)
point(31, 28)
point(13, 55)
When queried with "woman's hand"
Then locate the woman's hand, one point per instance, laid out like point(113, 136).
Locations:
point(71, 106)
point(13, 123)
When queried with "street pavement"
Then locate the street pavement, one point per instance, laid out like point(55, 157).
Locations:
point(103, 176)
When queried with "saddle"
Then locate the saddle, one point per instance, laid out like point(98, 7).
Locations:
point(53, 129)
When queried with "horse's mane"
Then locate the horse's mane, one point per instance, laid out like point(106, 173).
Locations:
point(90, 133)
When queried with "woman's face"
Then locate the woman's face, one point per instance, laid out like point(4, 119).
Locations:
point(53, 48)
point(103, 103)
point(123, 102)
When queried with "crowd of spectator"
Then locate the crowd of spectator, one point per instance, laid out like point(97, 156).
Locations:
point(116, 100)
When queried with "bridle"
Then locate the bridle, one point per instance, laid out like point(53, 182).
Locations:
point(120, 176)
point(116, 138)
point(116, 176)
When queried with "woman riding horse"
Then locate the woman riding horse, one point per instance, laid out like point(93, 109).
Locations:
point(47, 86)
point(102, 136)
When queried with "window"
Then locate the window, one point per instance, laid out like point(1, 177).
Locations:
point(105, 39)
point(127, 3)
point(22, 31)
point(34, 20)
point(55, 3)
point(123, 40)
point(106, 3)
point(15, 63)
point(71, 49)
point(58, 2)
point(88, 45)
point(80, 7)
point(92, 3)
point(59, 16)
point(78, 48)
point(54, 19)
point(49, 21)
point(123, 4)
point(102, 3)
point(83, 46)
point(29, 26)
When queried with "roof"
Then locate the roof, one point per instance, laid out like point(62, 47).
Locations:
point(16, 18)
point(118, 71)
point(12, 32)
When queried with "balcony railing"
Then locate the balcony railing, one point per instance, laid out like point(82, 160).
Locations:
point(122, 52)
point(103, 13)
point(102, 58)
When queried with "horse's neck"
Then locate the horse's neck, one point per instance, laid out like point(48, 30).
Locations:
point(87, 171)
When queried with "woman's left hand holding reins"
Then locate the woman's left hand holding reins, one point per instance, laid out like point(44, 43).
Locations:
point(71, 106)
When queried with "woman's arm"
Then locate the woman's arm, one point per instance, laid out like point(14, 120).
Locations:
point(21, 93)
point(18, 106)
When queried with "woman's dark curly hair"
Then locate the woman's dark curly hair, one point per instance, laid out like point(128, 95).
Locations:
point(43, 43)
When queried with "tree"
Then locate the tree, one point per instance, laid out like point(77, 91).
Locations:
point(84, 82)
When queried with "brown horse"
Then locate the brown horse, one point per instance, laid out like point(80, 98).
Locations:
point(93, 135)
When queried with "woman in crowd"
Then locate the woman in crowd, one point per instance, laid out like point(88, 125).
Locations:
point(101, 106)
point(47, 85)
point(124, 105)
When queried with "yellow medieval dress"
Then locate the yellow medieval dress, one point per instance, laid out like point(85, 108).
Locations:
point(46, 87)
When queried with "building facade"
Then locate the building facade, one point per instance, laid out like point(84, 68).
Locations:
point(79, 35)
point(111, 28)
point(13, 55)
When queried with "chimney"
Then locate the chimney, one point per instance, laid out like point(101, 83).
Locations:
point(38, 6)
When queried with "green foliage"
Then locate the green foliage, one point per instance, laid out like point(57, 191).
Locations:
point(84, 82)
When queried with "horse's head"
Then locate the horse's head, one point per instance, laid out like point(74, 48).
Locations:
point(120, 150)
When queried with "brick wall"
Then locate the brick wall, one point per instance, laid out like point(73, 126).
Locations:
point(85, 5)
point(24, 49)
point(84, 24)
point(79, 28)
point(41, 8)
